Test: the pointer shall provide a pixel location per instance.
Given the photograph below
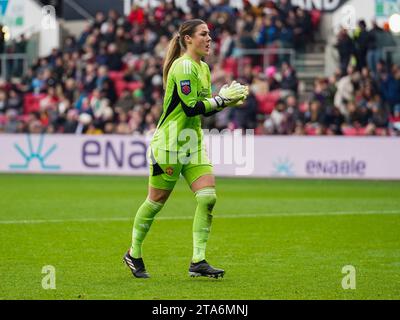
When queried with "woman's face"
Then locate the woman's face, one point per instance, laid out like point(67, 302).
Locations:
point(200, 41)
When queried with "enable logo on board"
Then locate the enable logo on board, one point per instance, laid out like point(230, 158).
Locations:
point(339, 168)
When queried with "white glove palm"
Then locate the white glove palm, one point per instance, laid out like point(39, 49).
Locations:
point(233, 93)
point(241, 101)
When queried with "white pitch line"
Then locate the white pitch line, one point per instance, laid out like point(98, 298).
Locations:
point(231, 216)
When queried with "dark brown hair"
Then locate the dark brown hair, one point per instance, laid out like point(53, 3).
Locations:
point(177, 44)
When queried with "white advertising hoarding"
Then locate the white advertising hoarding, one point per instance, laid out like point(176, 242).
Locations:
point(231, 155)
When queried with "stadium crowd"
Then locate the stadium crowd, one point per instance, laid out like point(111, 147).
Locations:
point(109, 79)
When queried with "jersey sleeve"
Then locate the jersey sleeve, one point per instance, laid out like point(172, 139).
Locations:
point(209, 81)
point(209, 113)
point(186, 80)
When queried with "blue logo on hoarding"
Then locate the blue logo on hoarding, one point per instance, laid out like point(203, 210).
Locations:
point(3, 6)
point(283, 167)
point(39, 155)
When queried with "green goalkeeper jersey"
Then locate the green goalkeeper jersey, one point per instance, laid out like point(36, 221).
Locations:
point(187, 89)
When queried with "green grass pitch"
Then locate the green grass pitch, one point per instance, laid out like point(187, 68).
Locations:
point(276, 239)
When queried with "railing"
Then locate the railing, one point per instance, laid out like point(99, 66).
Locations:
point(13, 65)
point(282, 54)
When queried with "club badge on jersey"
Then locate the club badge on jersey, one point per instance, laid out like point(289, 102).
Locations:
point(185, 87)
point(169, 171)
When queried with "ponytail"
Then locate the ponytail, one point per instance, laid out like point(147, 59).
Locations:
point(177, 44)
point(173, 53)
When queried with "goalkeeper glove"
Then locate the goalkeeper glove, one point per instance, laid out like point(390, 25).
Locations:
point(230, 95)
point(246, 93)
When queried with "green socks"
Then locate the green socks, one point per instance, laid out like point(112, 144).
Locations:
point(143, 220)
point(206, 199)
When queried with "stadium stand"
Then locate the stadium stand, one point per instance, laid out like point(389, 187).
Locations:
point(108, 80)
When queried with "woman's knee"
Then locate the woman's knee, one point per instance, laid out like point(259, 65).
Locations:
point(206, 181)
point(206, 198)
point(158, 195)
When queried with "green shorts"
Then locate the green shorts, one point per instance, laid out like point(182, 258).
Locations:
point(167, 166)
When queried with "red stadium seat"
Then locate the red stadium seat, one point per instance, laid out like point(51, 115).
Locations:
point(23, 118)
point(230, 65)
point(32, 102)
point(381, 131)
point(121, 85)
point(362, 131)
point(134, 85)
point(267, 102)
point(310, 130)
point(138, 65)
point(116, 75)
point(393, 119)
point(259, 130)
point(349, 131)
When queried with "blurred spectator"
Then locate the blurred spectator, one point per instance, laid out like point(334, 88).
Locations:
point(20, 48)
point(390, 89)
point(346, 49)
point(2, 39)
point(113, 58)
point(345, 90)
point(125, 103)
point(3, 101)
point(386, 39)
point(314, 117)
point(227, 45)
point(273, 84)
point(71, 121)
point(322, 92)
point(294, 115)
point(137, 15)
point(303, 28)
point(109, 78)
point(12, 125)
point(277, 122)
point(105, 84)
point(244, 117)
point(374, 53)
point(15, 102)
point(333, 121)
point(362, 43)
point(289, 79)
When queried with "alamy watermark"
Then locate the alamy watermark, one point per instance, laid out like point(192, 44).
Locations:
point(349, 280)
point(233, 148)
point(48, 18)
point(346, 19)
point(49, 280)
point(224, 147)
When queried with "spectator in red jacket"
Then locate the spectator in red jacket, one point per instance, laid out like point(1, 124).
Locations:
point(136, 17)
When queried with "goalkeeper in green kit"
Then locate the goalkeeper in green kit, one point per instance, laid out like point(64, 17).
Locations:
point(177, 145)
